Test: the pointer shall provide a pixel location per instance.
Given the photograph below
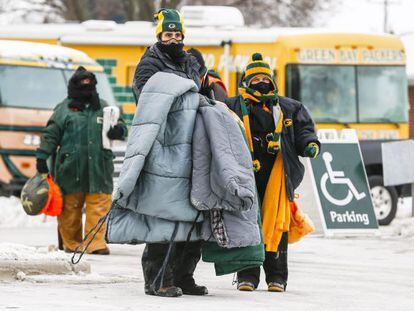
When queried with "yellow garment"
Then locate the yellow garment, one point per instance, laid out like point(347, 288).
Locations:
point(275, 207)
point(246, 122)
point(276, 204)
point(281, 215)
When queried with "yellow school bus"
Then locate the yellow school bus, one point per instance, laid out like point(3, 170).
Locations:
point(346, 80)
point(33, 80)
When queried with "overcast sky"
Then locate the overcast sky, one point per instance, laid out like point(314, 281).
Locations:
point(368, 15)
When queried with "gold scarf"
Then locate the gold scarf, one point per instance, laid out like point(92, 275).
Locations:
point(275, 205)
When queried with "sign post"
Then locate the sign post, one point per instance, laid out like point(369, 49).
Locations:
point(340, 186)
point(398, 164)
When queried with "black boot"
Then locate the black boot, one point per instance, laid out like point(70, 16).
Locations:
point(152, 260)
point(186, 257)
point(193, 289)
point(171, 291)
point(248, 279)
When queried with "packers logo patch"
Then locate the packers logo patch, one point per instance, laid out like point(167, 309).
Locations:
point(288, 122)
point(171, 26)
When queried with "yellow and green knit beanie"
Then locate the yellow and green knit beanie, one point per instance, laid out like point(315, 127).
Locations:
point(258, 66)
point(168, 20)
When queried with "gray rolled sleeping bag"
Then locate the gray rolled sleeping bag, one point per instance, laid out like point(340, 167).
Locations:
point(155, 180)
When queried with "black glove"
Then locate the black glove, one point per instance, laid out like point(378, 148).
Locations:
point(41, 166)
point(206, 90)
point(115, 132)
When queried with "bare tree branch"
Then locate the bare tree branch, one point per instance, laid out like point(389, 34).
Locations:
point(264, 13)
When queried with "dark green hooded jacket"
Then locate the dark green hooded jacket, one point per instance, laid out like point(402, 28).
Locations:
point(82, 165)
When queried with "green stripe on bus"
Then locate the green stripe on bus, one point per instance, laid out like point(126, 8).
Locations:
point(21, 128)
point(17, 152)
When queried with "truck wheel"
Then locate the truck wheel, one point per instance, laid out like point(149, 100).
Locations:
point(385, 200)
point(3, 192)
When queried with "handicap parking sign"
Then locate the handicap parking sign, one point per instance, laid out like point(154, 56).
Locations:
point(342, 187)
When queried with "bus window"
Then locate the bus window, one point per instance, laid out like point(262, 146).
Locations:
point(103, 87)
point(329, 92)
point(382, 94)
point(31, 87)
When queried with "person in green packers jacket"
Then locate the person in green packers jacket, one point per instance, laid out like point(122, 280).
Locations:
point(83, 167)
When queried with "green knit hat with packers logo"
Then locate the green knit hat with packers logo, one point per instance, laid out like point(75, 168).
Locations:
point(168, 20)
point(258, 66)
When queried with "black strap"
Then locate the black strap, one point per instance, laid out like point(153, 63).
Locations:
point(192, 227)
point(187, 241)
point(235, 279)
point(98, 225)
point(161, 273)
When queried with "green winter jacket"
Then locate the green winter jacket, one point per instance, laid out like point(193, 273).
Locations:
point(82, 165)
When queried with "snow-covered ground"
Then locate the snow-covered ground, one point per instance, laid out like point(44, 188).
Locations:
point(373, 273)
point(12, 215)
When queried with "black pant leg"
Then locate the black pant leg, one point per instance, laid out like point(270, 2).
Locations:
point(152, 260)
point(251, 275)
point(276, 264)
point(186, 257)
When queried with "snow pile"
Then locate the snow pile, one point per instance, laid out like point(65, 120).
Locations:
point(19, 252)
point(20, 261)
point(403, 224)
point(404, 209)
point(403, 227)
point(83, 278)
point(12, 215)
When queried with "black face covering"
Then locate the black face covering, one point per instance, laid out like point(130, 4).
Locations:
point(173, 50)
point(83, 93)
point(262, 87)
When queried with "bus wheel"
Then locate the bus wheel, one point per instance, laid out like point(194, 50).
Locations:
point(385, 200)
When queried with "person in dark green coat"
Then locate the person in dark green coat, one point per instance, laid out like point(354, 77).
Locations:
point(83, 168)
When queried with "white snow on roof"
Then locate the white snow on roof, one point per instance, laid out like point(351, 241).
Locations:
point(143, 33)
point(199, 15)
point(39, 31)
point(42, 52)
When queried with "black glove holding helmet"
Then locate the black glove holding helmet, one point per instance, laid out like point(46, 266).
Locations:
point(41, 166)
point(81, 92)
point(116, 132)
